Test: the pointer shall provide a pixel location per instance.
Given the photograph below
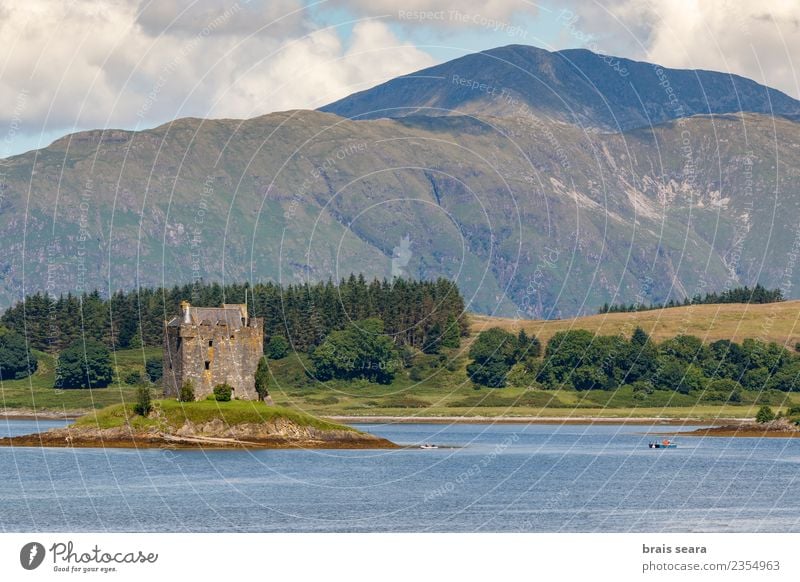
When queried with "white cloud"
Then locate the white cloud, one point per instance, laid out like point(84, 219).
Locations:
point(426, 10)
point(753, 39)
point(88, 65)
point(316, 70)
point(275, 17)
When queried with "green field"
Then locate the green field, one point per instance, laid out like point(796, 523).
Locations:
point(449, 394)
point(37, 392)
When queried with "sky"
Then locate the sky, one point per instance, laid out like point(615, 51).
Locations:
point(71, 65)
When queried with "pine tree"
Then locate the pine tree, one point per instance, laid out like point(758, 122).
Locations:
point(262, 379)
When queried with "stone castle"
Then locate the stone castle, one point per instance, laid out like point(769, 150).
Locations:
point(210, 346)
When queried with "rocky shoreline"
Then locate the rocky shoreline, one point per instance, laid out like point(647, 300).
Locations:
point(278, 434)
point(780, 428)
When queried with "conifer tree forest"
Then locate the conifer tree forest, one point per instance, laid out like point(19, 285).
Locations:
point(414, 313)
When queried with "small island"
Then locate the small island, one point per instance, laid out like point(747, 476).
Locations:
point(202, 424)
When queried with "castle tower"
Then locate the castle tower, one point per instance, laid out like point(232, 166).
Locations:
point(210, 346)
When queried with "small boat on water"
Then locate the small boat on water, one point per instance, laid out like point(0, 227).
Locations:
point(428, 446)
point(665, 444)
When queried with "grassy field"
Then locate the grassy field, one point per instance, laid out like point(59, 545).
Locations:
point(37, 392)
point(448, 394)
point(778, 322)
point(171, 415)
point(443, 390)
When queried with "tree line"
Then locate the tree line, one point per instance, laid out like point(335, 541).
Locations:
point(413, 312)
point(581, 360)
point(757, 294)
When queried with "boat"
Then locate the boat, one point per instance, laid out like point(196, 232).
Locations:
point(665, 444)
point(427, 446)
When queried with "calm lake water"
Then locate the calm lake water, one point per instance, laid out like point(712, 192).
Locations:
point(498, 478)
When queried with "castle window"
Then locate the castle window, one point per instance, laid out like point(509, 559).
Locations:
point(208, 365)
point(211, 343)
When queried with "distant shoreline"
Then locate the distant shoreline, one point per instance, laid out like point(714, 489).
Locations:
point(25, 414)
point(641, 420)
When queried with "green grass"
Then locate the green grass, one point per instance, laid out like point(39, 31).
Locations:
point(442, 389)
point(37, 392)
point(171, 415)
point(448, 394)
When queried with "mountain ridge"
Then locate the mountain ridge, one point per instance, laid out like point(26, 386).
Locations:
point(569, 85)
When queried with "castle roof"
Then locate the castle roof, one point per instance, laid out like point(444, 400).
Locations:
point(230, 315)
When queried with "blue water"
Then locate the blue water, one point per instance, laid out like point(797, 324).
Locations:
point(497, 478)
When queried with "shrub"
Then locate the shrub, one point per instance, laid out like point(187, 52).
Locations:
point(493, 353)
point(416, 374)
point(360, 350)
point(262, 379)
point(587, 378)
point(223, 393)
point(756, 379)
point(324, 400)
point(723, 390)
point(144, 403)
point(154, 368)
point(84, 366)
point(452, 366)
point(277, 347)
point(133, 378)
point(492, 373)
point(642, 387)
point(787, 379)
point(16, 361)
point(770, 397)
point(187, 392)
point(765, 414)
point(518, 376)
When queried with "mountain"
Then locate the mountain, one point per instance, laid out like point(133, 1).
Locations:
point(531, 216)
point(574, 86)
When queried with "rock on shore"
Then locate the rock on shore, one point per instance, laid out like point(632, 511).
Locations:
point(781, 427)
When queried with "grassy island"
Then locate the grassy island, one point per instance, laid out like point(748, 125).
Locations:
point(203, 424)
point(172, 415)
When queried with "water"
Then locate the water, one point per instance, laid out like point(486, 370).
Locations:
point(498, 478)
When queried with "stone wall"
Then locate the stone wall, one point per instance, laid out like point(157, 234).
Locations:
point(213, 354)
